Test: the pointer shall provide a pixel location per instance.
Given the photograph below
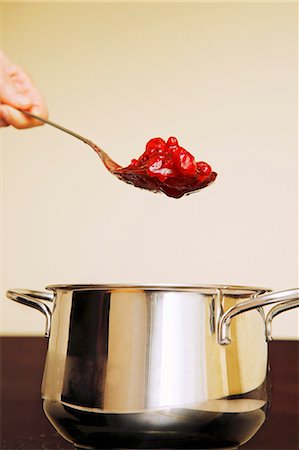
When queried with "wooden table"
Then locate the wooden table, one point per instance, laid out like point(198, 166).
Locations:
point(24, 426)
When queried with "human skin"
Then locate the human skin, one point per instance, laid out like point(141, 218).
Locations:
point(18, 92)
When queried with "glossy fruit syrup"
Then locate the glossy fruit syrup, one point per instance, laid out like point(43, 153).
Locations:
point(165, 428)
point(169, 168)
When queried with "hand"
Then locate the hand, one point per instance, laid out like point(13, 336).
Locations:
point(18, 91)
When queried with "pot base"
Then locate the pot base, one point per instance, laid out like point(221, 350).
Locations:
point(176, 428)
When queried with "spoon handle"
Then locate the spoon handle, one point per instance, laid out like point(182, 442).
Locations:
point(53, 124)
point(107, 161)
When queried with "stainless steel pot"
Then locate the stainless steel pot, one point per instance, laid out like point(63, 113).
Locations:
point(156, 366)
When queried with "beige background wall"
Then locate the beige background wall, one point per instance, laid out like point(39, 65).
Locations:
point(222, 77)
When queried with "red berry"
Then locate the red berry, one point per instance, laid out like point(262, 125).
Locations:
point(172, 142)
point(204, 168)
point(155, 144)
point(184, 161)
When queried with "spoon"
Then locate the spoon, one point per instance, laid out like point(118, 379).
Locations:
point(175, 187)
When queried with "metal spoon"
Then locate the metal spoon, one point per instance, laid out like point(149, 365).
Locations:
point(136, 176)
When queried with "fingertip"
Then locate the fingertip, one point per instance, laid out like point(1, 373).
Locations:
point(14, 117)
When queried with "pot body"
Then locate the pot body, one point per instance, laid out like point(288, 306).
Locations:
point(139, 366)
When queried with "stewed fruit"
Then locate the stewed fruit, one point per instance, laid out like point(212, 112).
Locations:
point(167, 167)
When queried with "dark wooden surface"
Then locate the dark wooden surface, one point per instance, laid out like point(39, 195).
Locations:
point(24, 426)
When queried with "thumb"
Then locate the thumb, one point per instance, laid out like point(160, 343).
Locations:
point(10, 95)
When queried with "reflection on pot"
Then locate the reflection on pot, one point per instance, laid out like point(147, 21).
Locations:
point(219, 425)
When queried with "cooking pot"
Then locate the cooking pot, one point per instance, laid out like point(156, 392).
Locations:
point(156, 366)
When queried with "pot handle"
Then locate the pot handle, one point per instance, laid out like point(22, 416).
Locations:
point(259, 300)
point(278, 309)
point(34, 299)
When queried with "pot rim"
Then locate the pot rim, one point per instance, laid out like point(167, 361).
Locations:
point(203, 288)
